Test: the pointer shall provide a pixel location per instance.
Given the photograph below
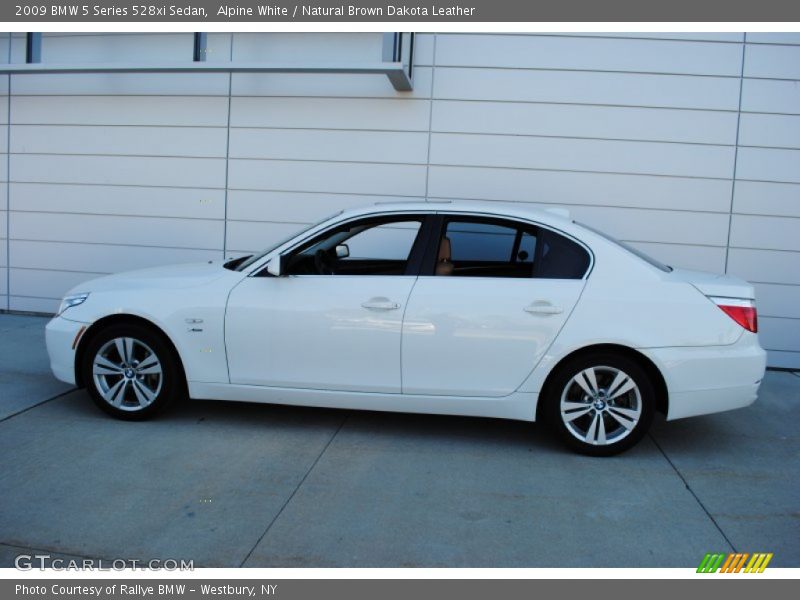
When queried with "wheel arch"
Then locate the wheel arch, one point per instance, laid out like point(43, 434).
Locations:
point(660, 384)
point(120, 319)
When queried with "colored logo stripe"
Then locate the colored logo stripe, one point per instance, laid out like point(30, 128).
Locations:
point(758, 563)
point(734, 562)
point(710, 563)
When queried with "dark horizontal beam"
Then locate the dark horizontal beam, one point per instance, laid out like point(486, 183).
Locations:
point(394, 71)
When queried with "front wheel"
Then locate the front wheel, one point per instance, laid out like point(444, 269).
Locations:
point(601, 404)
point(131, 372)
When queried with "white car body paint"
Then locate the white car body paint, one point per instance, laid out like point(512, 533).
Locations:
point(316, 332)
point(463, 346)
point(471, 336)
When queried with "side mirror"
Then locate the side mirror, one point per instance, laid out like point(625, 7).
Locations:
point(342, 251)
point(274, 267)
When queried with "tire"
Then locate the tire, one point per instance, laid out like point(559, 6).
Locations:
point(600, 404)
point(131, 372)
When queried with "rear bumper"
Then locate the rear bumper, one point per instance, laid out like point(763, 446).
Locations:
point(60, 335)
point(706, 402)
point(711, 379)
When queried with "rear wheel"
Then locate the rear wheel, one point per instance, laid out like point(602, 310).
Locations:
point(601, 404)
point(131, 372)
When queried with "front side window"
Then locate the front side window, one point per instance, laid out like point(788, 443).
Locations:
point(366, 247)
point(482, 247)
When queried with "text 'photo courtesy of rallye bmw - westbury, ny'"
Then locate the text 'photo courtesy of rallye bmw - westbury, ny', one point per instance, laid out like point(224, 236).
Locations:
point(62, 590)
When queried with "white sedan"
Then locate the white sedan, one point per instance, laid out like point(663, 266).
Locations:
point(460, 308)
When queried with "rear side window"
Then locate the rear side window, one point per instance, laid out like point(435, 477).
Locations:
point(480, 242)
point(484, 247)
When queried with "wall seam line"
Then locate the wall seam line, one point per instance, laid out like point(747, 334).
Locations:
point(8, 186)
point(430, 119)
point(227, 161)
point(735, 152)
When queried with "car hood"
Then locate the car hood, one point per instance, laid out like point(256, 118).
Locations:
point(170, 277)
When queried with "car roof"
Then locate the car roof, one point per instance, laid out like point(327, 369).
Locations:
point(554, 217)
point(557, 216)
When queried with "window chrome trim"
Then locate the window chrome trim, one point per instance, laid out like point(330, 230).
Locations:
point(323, 227)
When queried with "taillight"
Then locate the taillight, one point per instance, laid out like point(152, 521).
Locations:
point(741, 310)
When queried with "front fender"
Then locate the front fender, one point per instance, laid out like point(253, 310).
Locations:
point(196, 329)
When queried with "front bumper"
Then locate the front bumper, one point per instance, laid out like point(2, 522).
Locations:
point(711, 379)
point(61, 336)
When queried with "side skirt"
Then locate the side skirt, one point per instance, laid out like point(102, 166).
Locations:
point(519, 406)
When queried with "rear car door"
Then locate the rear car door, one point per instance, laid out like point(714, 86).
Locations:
point(493, 295)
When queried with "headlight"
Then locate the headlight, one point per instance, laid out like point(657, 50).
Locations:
point(72, 300)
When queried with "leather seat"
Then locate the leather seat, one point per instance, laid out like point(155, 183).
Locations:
point(444, 263)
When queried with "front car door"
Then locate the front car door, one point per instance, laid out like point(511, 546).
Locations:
point(333, 319)
point(494, 297)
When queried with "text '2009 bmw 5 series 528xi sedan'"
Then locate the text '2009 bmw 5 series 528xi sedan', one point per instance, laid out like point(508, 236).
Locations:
point(461, 308)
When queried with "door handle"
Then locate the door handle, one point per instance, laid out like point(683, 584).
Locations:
point(380, 304)
point(542, 307)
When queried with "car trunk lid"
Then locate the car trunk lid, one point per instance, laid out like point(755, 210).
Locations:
point(714, 284)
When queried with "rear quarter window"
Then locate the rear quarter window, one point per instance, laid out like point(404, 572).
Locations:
point(559, 257)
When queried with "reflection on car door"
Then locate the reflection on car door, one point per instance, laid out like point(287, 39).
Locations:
point(493, 302)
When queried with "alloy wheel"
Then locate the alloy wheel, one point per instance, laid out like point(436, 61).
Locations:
point(127, 373)
point(601, 405)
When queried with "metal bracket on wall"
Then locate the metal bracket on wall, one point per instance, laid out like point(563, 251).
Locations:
point(397, 63)
point(200, 46)
point(33, 48)
point(398, 49)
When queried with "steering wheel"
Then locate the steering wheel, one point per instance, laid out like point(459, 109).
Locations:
point(322, 262)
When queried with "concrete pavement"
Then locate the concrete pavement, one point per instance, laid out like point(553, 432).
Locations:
point(25, 378)
point(229, 484)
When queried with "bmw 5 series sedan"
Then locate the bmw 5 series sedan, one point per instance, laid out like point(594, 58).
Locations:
point(459, 308)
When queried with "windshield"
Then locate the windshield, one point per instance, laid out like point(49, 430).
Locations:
point(256, 257)
point(648, 259)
